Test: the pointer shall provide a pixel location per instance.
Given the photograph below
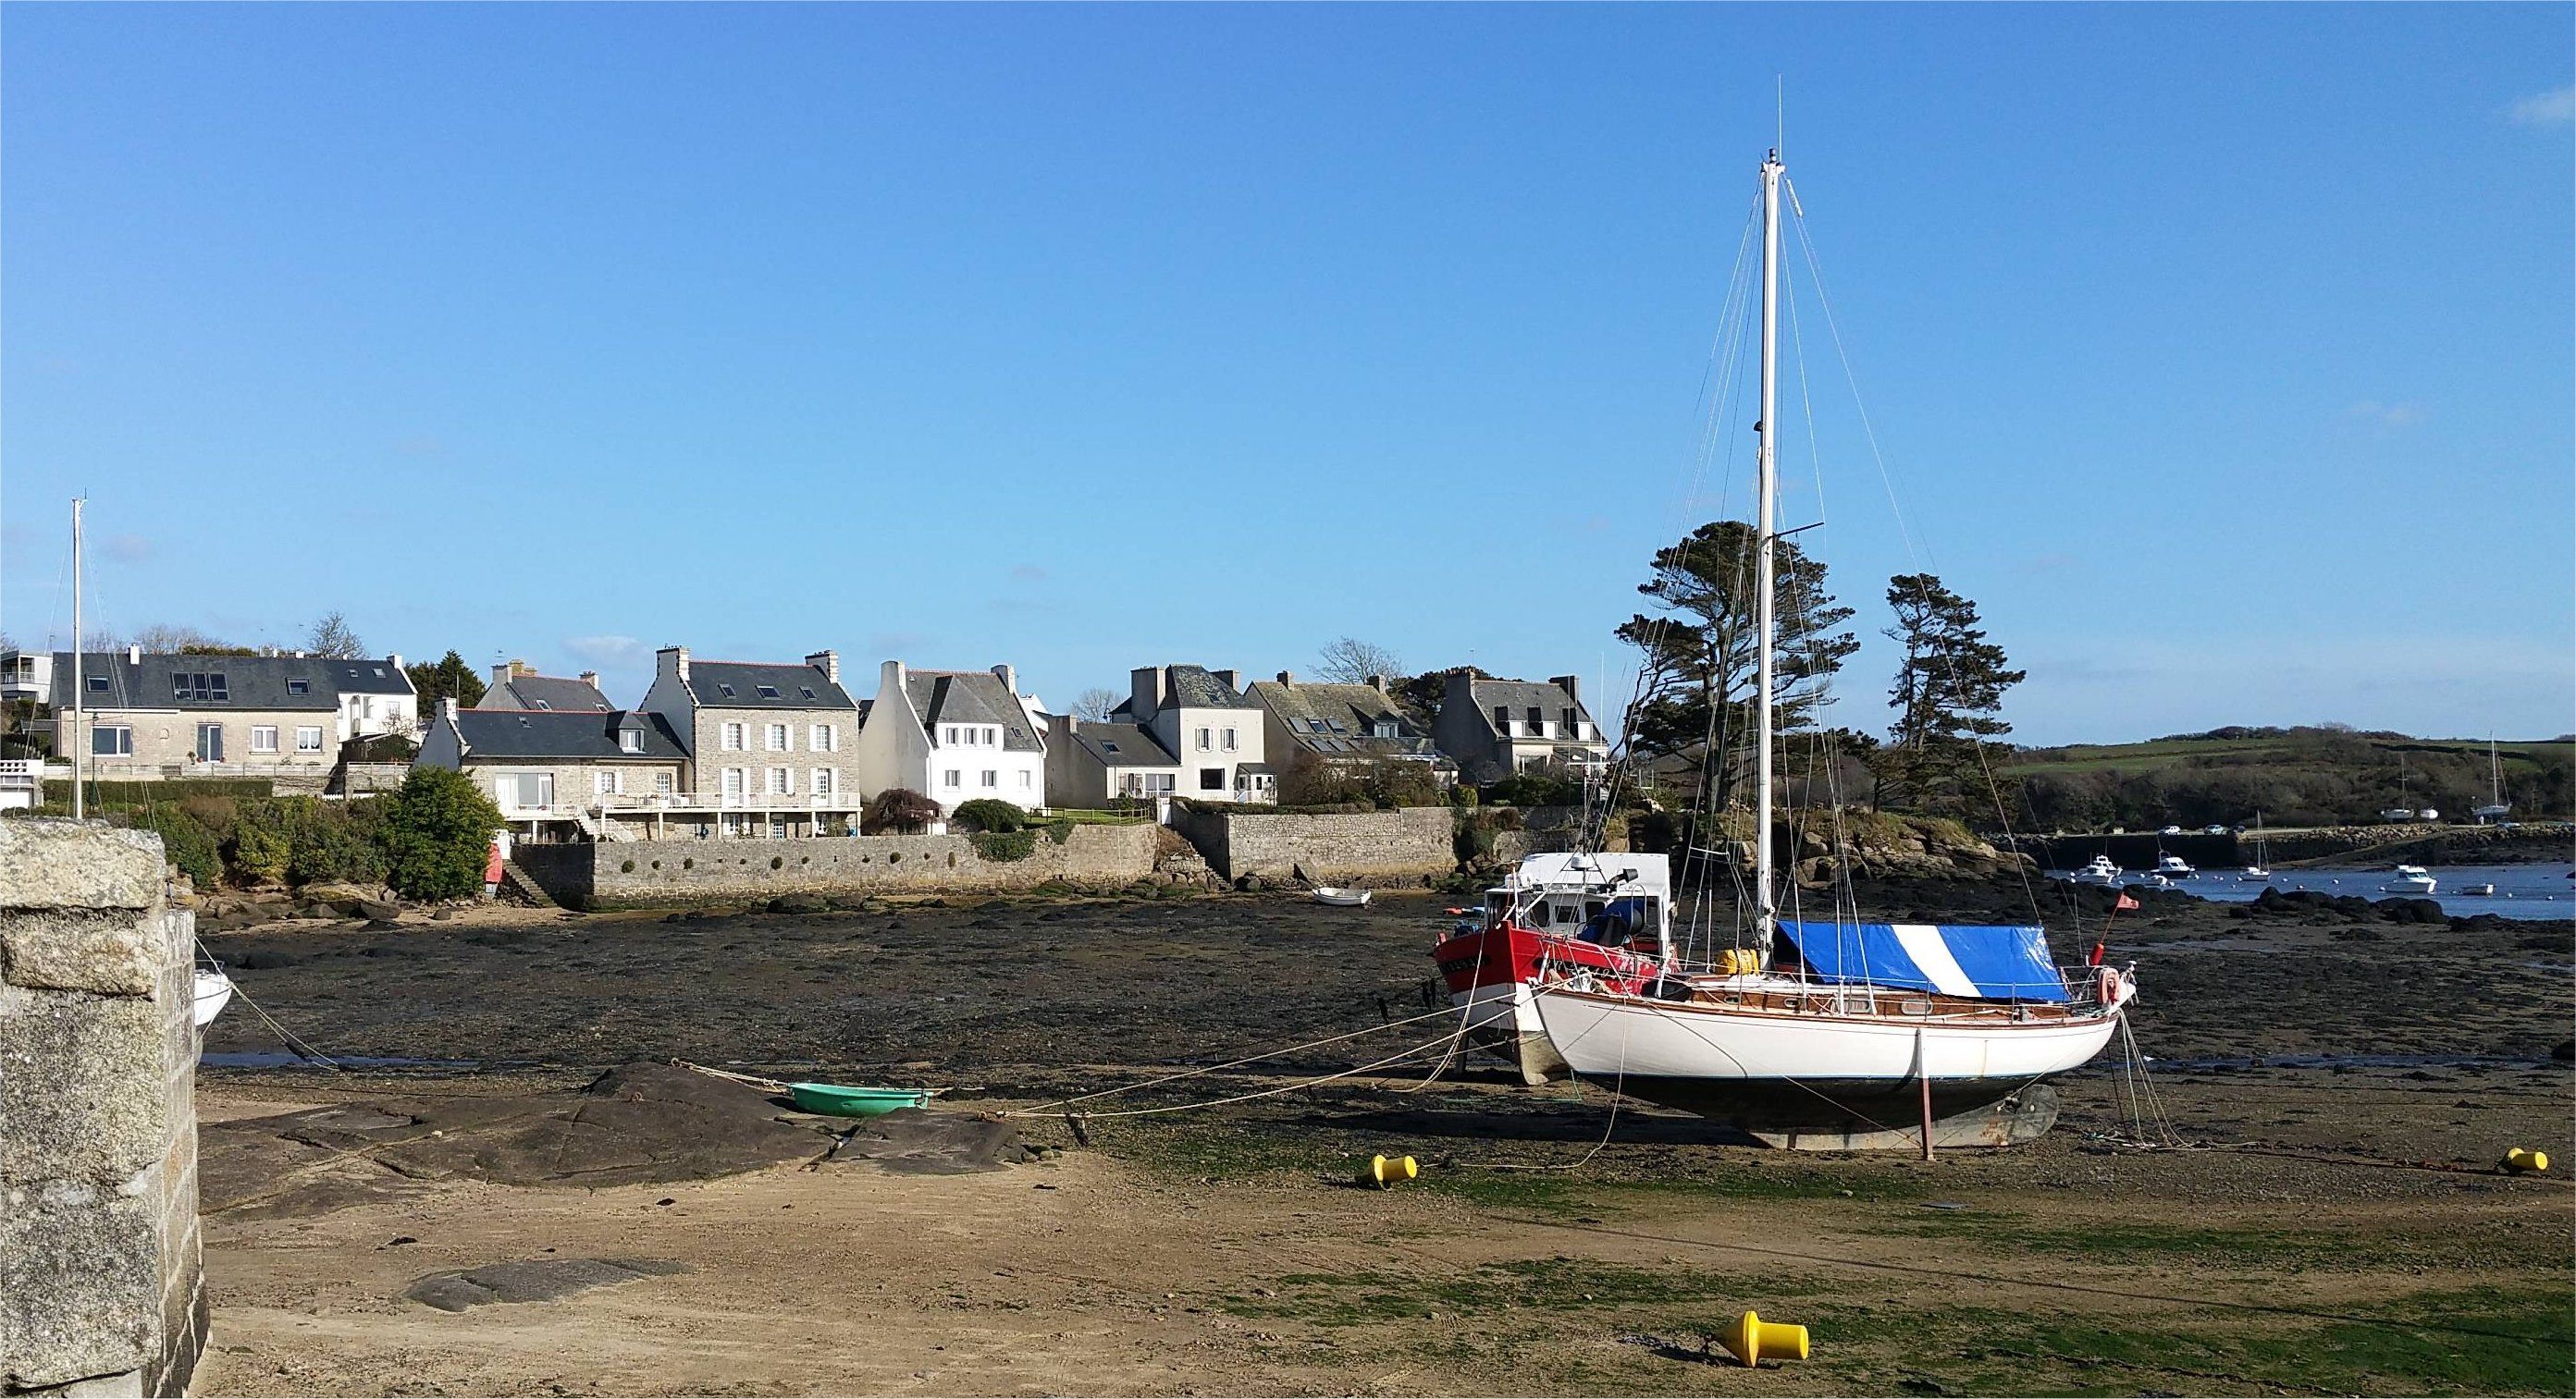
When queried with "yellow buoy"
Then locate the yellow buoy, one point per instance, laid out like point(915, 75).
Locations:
point(1753, 1339)
point(1385, 1172)
point(2523, 1158)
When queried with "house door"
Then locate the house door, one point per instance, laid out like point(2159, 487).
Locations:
point(210, 743)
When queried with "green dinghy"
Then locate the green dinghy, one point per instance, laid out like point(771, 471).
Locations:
point(837, 1100)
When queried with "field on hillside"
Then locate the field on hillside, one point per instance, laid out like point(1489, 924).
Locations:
point(2300, 776)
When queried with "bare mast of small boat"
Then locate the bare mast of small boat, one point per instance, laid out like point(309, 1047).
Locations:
point(78, 741)
point(1766, 468)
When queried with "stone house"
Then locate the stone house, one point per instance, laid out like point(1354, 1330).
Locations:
point(1343, 726)
point(1089, 763)
point(771, 745)
point(1494, 728)
point(1201, 717)
point(569, 774)
point(145, 717)
point(953, 736)
point(516, 686)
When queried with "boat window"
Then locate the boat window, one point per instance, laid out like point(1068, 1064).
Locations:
point(1538, 914)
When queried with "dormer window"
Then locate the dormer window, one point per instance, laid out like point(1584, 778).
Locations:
point(1383, 728)
point(630, 740)
point(299, 687)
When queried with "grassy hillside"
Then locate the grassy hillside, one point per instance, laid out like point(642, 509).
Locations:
point(2294, 777)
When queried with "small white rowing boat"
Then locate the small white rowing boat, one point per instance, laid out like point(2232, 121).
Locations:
point(1341, 898)
point(214, 992)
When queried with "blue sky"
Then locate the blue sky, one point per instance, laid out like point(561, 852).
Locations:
point(2222, 354)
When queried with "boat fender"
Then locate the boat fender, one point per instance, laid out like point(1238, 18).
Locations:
point(1752, 1340)
point(1387, 1172)
point(2523, 1158)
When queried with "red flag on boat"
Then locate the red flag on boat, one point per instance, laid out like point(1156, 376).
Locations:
point(2125, 903)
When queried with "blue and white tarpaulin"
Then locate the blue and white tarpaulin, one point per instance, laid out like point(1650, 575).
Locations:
point(1955, 959)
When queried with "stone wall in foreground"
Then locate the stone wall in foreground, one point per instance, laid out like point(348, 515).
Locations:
point(101, 1286)
point(646, 873)
point(1411, 846)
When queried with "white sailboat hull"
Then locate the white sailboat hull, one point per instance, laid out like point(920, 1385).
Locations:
point(1741, 1064)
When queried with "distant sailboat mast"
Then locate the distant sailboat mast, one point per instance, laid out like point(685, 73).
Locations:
point(77, 741)
point(1765, 521)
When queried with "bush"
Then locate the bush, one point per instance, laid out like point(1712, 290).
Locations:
point(1393, 783)
point(897, 809)
point(184, 843)
point(437, 831)
point(261, 845)
point(990, 814)
point(338, 842)
point(1535, 789)
point(1002, 847)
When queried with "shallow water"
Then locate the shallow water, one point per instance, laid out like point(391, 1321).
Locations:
point(2540, 891)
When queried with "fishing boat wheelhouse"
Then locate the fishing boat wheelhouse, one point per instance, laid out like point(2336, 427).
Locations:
point(1607, 915)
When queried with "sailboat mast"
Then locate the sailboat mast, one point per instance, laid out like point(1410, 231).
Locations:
point(77, 685)
point(1765, 524)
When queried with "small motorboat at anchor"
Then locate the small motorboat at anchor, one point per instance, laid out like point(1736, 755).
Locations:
point(2408, 879)
point(2483, 891)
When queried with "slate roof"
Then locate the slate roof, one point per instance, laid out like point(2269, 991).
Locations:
point(546, 692)
point(794, 685)
point(1121, 745)
point(366, 675)
point(971, 697)
point(1336, 721)
point(249, 682)
point(1550, 700)
point(573, 735)
point(1197, 688)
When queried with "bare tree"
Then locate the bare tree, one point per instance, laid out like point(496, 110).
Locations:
point(1095, 703)
point(333, 637)
point(1351, 661)
point(172, 639)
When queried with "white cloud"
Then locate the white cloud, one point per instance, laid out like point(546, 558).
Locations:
point(2390, 415)
point(605, 650)
point(128, 548)
point(2556, 108)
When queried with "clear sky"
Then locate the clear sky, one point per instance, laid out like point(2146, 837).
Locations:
point(2222, 354)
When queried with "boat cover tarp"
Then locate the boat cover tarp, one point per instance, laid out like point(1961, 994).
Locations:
point(1955, 959)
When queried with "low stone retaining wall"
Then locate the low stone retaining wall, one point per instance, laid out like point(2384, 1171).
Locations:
point(1411, 846)
point(648, 873)
point(102, 1289)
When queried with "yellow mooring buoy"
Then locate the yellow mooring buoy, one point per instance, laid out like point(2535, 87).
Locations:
point(1754, 1339)
point(1385, 1172)
point(2523, 1158)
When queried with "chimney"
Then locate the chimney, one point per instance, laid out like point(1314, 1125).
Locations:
point(890, 678)
point(672, 661)
point(447, 707)
point(828, 662)
point(1059, 729)
point(503, 672)
point(1147, 688)
point(1572, 685)
point(1232, 680)
point(1377, 683)
point(396, 658)
point(590, 678)
point(1010, 679)
point(133, 655)
point(1287, 678)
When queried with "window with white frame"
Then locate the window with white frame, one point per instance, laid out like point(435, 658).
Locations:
point(111, 741)
point(825, 780)
point(951, 778)
point(731, 741)
point(263, 738)
point(778, 738)
point(947, 734)
point(992, 778)
point(823, 738)
point(524, 791)
point(630, 740)
point(992, 738)
point(1203, 740)
point(782, 781)
point(1229, 740)
point(733, 784)
point(308, 738)
point(1026, 778)
point(661, 784)
point(606, 784)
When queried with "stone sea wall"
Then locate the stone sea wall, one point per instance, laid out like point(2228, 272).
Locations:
point(1410, 846)
point(102, 1290)
point(650, 873)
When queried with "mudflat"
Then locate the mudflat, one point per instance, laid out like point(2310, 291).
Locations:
point(2342, 1087)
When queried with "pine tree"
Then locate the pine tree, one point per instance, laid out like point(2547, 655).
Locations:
point(449, 677)
point(1948, 695)
point(1701, 663)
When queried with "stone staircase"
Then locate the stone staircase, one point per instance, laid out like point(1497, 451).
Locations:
point(527, 888)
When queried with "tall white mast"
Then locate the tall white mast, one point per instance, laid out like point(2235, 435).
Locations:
point(77, 685)
point(1765, 523)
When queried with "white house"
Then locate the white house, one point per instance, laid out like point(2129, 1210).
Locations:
point(951, 735)
point(1202, 719)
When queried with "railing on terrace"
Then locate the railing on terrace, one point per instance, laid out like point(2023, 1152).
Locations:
point(648, 802)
